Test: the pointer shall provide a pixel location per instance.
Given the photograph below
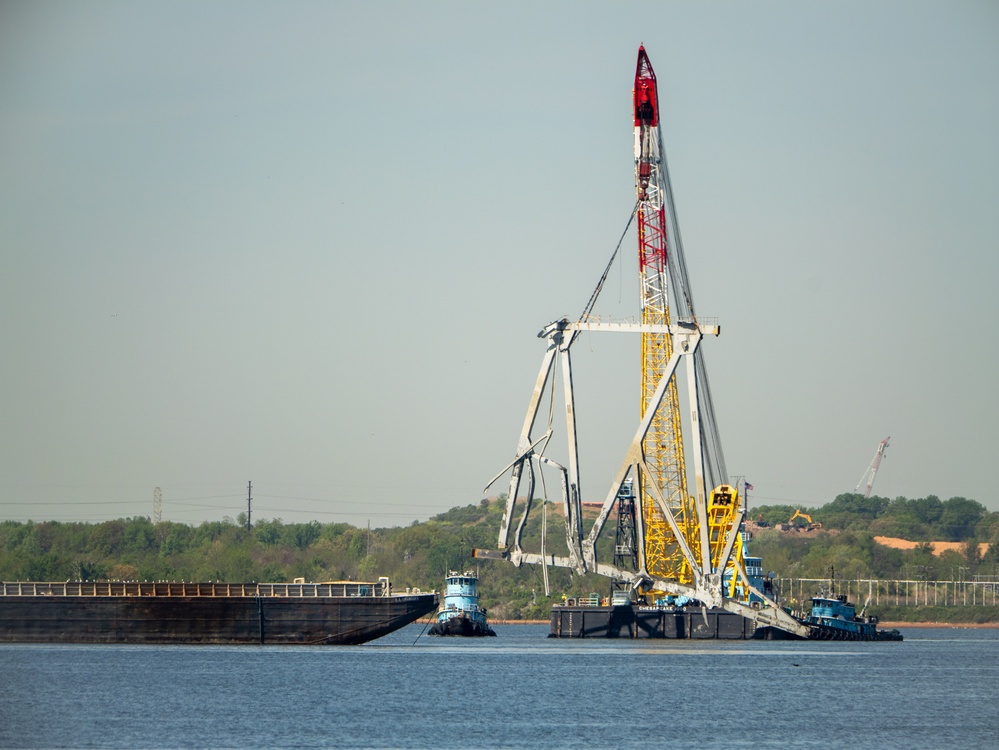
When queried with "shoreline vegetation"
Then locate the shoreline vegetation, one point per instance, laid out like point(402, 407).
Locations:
point(843, 539)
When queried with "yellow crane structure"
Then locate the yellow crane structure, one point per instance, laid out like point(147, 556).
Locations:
point(662, 272)
point(663, 444)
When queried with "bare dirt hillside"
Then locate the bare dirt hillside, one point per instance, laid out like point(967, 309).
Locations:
point(938, 547)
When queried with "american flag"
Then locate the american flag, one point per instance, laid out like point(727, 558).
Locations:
point(749, 486)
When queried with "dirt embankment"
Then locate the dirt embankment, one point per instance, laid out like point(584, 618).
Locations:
point(938, 547)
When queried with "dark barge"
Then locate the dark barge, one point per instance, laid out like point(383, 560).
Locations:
point(832, 618)
point(132, 612)
point(638, 621)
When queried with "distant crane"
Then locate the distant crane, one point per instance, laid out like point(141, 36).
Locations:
point(868, 479)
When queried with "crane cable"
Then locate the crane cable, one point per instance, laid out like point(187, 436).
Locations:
point(544, 531)
point(600, 284)
point(544, 484)
point(551, 401)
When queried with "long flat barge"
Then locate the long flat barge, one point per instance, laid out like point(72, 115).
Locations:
point(132, 612)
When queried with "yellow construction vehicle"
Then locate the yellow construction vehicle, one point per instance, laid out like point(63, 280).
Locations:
point(810, 525)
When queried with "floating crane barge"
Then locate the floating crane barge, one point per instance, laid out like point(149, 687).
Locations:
point(679, 557)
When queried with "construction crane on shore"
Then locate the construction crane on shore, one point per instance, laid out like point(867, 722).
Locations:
point(685, 540)
point(867, 481)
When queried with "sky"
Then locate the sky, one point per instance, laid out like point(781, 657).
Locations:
point(310, 245)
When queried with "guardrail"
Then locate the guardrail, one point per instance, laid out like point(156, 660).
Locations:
point(894, 592)
point(382, 587)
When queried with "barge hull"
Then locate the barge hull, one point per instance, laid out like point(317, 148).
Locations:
point(267, 620)
point(624, 621)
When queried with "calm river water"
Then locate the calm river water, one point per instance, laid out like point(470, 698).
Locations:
point(937, 689)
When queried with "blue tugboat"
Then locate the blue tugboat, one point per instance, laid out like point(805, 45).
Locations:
point(460, 614)
point(834, 618)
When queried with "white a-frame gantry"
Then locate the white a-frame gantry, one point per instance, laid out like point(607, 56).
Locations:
point(707, 570)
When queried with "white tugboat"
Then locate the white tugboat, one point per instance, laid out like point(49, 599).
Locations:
point(460, 614)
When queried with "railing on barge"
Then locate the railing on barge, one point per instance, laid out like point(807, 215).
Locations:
point(204, 589)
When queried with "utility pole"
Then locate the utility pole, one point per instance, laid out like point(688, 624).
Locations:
point(249, 503)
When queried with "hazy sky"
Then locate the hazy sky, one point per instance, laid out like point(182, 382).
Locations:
point(310, 245)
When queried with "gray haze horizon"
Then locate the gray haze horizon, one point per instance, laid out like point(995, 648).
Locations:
point(311, 245)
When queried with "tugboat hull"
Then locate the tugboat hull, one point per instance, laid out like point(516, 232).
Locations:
point(462, 626)
point(825, 633)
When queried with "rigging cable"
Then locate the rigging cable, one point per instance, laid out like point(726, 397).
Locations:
point(600, 284)
point(544, 532)
point(544, 484)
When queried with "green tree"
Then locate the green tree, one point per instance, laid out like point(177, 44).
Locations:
point(139, 536)
point(959, 517)
point(301, 535)
point(106, 537)
point(926, 509)
point(853, 509)
point(268, 532)
point(448, 553)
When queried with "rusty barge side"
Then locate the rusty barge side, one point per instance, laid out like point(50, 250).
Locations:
point(206, 613)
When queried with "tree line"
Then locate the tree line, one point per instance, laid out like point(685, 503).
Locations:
point(925, 519)
point(421, 554)
point(416, 556)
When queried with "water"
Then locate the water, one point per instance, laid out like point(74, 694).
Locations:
point(938, 688)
